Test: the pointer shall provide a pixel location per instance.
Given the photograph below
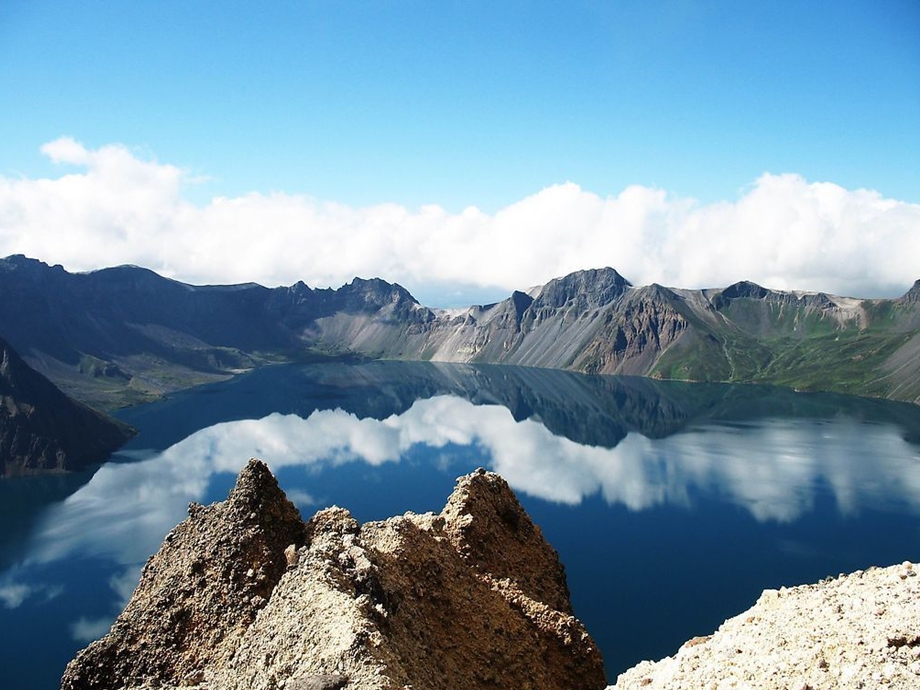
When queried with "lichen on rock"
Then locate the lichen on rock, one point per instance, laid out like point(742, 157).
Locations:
point(243, 594)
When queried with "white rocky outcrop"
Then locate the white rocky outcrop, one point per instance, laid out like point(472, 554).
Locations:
point(856, 631)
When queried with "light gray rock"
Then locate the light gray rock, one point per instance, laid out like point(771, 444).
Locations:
point(856, 631)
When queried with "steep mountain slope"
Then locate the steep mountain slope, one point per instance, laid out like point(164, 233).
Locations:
point(810, 341)
point(42, 430)
point(743, 333)
point(122, 335)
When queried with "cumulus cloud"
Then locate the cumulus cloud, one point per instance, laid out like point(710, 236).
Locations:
point(783, 231)
point(66, 150)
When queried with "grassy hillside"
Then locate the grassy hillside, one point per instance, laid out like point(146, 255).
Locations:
point(804, 344)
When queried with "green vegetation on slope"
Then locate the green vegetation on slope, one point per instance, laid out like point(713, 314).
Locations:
point(789, 343)
point(845, 362)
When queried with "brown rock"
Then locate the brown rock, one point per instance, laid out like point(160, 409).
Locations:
point(200, 592)
point(333, 682)
point(496, 537)
point(471, 598)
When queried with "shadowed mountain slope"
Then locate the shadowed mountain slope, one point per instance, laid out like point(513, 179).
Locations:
point(42, 430)
point(123, 335)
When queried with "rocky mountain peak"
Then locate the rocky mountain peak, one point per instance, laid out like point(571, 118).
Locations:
point(28, 270)
point(520, 301)
point(377, 295)
point(656, 292)
point(745, 289)
point(594, 287)
point(913, 295)
point(244, 595)
point(200, 592)
point(300, 289)
point(258, 499)
point(22, 262)
point(491, 530)
point(379, 288)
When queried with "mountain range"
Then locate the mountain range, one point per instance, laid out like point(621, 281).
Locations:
point(123, 335)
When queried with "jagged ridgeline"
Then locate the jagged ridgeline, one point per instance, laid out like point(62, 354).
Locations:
point(124, 335)
point(244, 594)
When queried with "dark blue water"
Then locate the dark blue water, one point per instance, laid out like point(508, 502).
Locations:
point(671, 505)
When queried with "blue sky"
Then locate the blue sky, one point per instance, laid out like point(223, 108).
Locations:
point(465, 104)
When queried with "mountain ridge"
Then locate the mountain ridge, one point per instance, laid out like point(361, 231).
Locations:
point(124, 335)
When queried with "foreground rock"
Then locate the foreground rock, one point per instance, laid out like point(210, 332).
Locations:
point(857, 631)
point(243, 594)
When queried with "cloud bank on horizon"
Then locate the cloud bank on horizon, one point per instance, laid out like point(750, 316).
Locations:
point(113, 206)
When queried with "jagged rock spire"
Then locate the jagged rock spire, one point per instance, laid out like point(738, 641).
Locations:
point(244, 595)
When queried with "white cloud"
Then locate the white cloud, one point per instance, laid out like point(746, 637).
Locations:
point(66, 150)
point(87, 630)
point(301, 498)
point(13, 594)
point(782, 231)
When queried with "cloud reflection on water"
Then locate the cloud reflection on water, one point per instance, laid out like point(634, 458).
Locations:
point(14, 593)
point(773, 468)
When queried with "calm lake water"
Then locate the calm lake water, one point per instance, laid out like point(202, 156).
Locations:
point(672, 505)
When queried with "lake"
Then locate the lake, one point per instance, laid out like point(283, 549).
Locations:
point(672, 505)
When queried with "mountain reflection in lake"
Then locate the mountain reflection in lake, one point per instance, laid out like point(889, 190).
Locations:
point(672, 505)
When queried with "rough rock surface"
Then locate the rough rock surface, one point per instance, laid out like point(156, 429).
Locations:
point(200, 592)
point(856, 631)
point(244, 595)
